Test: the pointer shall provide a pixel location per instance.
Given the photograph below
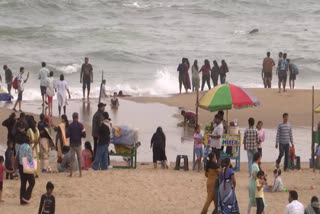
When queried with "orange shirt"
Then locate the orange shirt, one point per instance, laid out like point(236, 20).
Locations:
point(268, 63)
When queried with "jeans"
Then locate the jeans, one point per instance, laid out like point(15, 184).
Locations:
point(95, 143)
point(205, 78)
point(250, 154)
point(283, 149)
point(222, 79)
point(24, 191)
point(101, 159)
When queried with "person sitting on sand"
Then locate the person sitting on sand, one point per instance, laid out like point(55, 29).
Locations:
point(114, 101)
point(158, 145)
point(87, 156)
point(198, 141)
point(277, 184)
point(294, 206)
point(65, 164)
point(317, 159)
point(189, 117)
point(314, 207)
point(212, 174)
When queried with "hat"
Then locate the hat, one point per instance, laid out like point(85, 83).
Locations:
point(101, 104)
point(106, 115)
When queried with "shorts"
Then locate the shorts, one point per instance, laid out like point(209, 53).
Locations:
point(20, 96)
point(49, 99)
point(267, 74)
point(282, 76)
point(292, 77)
point(86, 83)
point(216, 152)
point(1, 186)
point(43, 90)
point(199, 152)
point(9, 86)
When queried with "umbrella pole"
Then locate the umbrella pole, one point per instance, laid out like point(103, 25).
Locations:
point(312, 140)
point(197, 119)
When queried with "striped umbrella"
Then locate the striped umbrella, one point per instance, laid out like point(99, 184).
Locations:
point(4, 96)
point(227, 96)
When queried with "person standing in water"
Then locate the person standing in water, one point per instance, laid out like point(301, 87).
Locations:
point(282, 74)
point(293, 72)
point(43, 75)
point(183, 70)
point(50, 91)
point(195, 76)
point(205, 74)
point(267, 65)
point(8, 76)
point(223, 71)
point(21, 82)
point(215, 73)
point(86, 77)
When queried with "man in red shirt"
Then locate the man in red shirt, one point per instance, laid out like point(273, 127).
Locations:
point(267, 65)
point(189, 117)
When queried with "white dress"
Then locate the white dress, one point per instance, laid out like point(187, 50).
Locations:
point(50, 87)
point(62, 87)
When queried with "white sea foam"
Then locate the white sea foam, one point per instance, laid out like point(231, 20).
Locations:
point(69, 69)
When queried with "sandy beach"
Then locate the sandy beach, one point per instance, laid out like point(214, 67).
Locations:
point(146, 190)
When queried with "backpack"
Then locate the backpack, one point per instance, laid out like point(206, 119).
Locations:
point(294, 69)
point(283, 65)
point(15, 83)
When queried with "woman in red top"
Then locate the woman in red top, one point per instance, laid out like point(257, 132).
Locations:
point(205, 74)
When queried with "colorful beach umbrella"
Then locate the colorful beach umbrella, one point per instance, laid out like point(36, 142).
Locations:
point(317, 109)
point(227, 96)
point(4, 96)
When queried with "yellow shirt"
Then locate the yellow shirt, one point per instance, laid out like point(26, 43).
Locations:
point(259, 194)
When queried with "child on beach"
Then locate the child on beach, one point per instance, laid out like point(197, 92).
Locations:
point(277, 185)
point(9, 162)
point(261, 136)
point(47, 202)
point(2, 170)
point(259, 192)
point(114, 101)
point(87, 156)
point(198, 141)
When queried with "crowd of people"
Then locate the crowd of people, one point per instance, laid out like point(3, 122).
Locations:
point(208, 73)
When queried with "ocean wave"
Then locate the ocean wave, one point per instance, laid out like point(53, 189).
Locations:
point(69, 69)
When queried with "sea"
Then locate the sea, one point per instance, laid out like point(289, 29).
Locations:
point(137, 45)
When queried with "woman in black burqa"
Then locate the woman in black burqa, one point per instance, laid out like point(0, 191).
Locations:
point(158, 144)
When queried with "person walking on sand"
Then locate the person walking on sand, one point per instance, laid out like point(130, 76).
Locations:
point(294, 206)
point(283, 72)
point(205, 69)
point(20, 81)
point(215, 71)
point(195, 76)
point(43, 75)
point(8, 76)
point(267, 65)
point(47, 202)
point(86, 77)
point(216, 137)
point(283, 140)
point(223, 71)
point(198, 142)
point(227, 200)
point(252, 183)
point(50, 91)
point(158, 145)
point(250, 142)
point(183, 70)
point(212, 173)
point(261, 136)
point(75, 132)
point(97, 120)
point(62, 89)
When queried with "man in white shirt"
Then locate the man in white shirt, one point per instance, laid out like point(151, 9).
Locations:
point(216, 136)
point(43, 75)
point(103, 93)
point(294, 206)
